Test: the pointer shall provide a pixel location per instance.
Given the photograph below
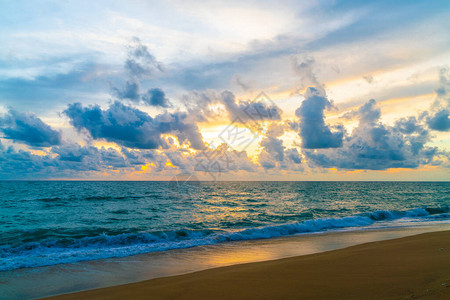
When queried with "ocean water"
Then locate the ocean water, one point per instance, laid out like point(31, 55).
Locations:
point(46, 223)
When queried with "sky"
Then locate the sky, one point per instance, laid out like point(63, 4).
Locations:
point(225, 90)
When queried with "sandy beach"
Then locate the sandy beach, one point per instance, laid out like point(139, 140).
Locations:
point(224, 149)
point(405, 268)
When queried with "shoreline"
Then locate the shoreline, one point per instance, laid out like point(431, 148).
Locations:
point(417, 265)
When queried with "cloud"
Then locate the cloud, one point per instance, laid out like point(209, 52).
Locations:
point(140, 61)
point(293, 155)
point(130, 91)
point(368, 113)
point(444, 84)
point(130, 127)
point(198, 104)
point(274, 147)
point(72, 152)
point(28, 129)
point(138, 157)
point(260, 109)
point(112, 158)
point(368, 78)
point(64, 161)
point(16, 164)
point(72, 77)
point(409, 125)
point(89, 158)
point(182, 126)
point(375, 146)
point(238, 80)
point(274, 154)
point(72, 160)
point(314, 132)
point(303, 67)
point(204, 105)
point(156, 97)
point(223, 159)
point(439, 119)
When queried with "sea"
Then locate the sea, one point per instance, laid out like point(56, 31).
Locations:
point(45, 223)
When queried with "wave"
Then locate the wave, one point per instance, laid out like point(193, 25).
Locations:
point(52, 252)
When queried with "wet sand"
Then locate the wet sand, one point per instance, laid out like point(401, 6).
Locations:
point(405, 268)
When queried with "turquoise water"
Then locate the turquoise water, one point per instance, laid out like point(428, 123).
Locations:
point(45, 223)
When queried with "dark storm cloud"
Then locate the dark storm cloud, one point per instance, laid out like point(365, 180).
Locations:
point(156, 97)
point(28, 129)
point(314, 132)
point(130, 127)
point(375, 146)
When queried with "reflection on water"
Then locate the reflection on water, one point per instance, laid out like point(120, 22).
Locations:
point(47, 223)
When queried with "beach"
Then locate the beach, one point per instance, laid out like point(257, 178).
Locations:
point(224, 149)
point(410, 267)
point(66, 237)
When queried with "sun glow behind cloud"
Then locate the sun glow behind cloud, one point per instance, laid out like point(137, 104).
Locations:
point(201, 56)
